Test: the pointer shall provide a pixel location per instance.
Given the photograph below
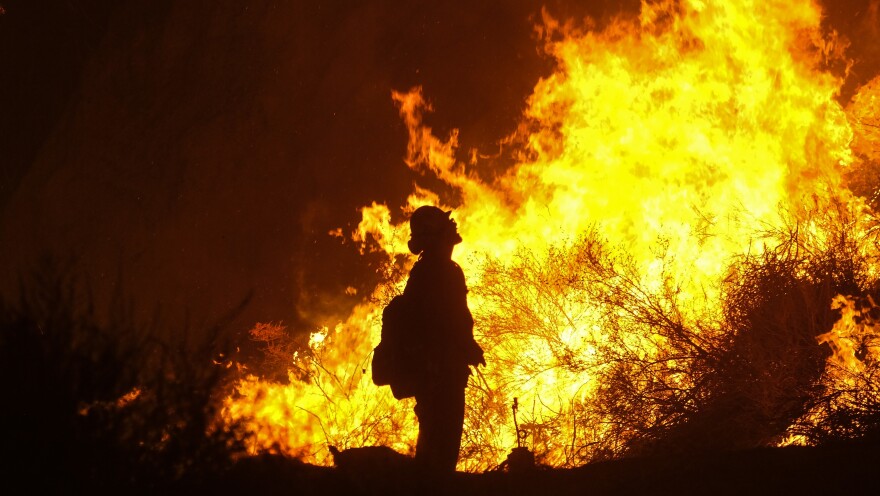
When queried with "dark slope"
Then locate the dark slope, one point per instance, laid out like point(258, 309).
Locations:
point(842, 469)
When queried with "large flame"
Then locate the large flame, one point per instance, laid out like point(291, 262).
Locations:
point(677, 136)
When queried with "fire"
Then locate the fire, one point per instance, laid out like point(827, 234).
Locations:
point(677, 138)
point(854, 334)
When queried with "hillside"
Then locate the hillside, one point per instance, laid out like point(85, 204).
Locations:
point(845, 468)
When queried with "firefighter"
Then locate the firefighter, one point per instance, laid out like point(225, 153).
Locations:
point(442, 338)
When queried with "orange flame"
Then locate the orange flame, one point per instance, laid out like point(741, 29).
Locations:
point(845, 336)
point(678, 136)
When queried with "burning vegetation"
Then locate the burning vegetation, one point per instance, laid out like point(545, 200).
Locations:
point(681, 257)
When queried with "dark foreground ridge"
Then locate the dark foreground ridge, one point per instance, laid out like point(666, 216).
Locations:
point(841, 469)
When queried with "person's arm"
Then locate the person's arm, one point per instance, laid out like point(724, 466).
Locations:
point(473, 352)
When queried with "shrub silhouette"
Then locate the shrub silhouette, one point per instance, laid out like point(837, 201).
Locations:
point(103, 405)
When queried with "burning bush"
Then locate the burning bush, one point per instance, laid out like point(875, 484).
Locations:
point(709, 157)
point(668, 374)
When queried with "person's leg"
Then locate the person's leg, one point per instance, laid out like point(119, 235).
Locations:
point(450, 427)
point(441, 419)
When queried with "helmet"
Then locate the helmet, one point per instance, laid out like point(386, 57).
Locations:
point(427, 220)
point(426, 224)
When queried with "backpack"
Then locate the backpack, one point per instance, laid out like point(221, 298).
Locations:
point(394, 357)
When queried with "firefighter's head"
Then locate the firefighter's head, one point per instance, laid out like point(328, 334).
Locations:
point(432, 228)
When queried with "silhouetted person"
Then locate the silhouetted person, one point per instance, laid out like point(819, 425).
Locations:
point(443, 338)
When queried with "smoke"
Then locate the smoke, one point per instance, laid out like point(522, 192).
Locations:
point(858, 23)
point(869, 29)
point(200, 154)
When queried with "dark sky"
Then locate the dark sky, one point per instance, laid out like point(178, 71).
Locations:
point(198, 152)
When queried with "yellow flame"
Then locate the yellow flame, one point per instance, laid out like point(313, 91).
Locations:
point(685, 130)
point(855, 354)
point(848, 335)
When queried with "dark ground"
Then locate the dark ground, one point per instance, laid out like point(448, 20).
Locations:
point(842, 469)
